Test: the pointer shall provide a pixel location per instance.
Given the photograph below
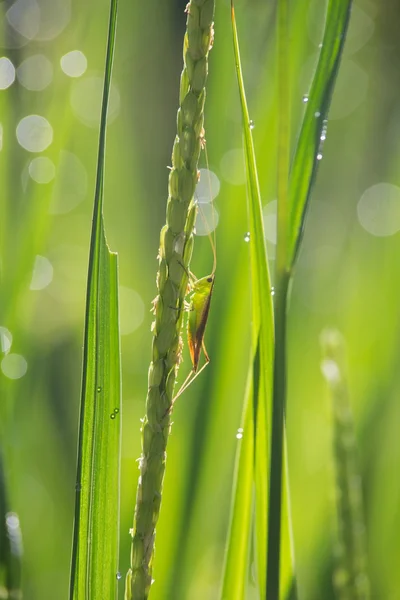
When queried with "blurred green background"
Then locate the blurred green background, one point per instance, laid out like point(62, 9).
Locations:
point(51, 67)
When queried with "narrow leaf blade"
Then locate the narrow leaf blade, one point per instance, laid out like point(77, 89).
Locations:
point(94, 571)
point(313, 131)
point(238, 544)
point(262, 323)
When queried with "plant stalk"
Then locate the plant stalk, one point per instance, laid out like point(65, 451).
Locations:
point(176, 244)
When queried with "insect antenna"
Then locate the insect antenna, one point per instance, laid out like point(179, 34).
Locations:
point(213, 237)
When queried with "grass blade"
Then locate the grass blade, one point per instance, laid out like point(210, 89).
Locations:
point(95, 544)
point(279, 560)
point(236, 569)
point(350, 577)
point(262, 322)
point(10, 546)
point(313, 131)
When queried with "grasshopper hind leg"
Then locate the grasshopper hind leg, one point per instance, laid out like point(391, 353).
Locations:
point(191, 377)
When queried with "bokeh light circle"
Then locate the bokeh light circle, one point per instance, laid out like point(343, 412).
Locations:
point(74, 63)
point(34, 133)
point(14, 366)
point(378, 209)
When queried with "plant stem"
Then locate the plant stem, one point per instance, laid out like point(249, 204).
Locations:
point(277, 433)
point(280, 308)
point(176, 244)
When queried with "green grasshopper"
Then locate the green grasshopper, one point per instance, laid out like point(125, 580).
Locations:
point(198, 309)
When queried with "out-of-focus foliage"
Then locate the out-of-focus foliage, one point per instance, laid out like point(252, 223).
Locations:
point(345, 276)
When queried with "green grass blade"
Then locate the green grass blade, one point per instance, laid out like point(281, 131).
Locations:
point(313, 131)
point(236, 570)
point(350, 578)
point(10, 545)
point(279, 561)
point(94, 570)
point(262, 322)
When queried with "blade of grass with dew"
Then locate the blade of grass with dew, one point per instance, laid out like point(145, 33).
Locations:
point(280, 561)
point(10, 545)
point(236, 568)
point(176, 244)
point(262, 322)
point(350, 577)
point(94, 567)
point(314, 126)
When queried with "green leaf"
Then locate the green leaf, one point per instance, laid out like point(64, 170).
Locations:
point(262, 324)
point(94, 572)
point(238, 544)
point(309, 148)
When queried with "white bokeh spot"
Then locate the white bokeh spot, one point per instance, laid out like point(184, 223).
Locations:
point(42, 274)
point(34, 133)
point(5, 339)
point(207, 187)
point(131, 310)
point(41, 169)
point(206, 219)
point(378, 209)
point(14, 366)
point(35, 73)
point(7, 73)
point(74, 63)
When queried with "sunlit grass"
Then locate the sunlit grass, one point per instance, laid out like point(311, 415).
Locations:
point(344, 278)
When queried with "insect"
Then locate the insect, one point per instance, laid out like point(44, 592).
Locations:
point(198, 309)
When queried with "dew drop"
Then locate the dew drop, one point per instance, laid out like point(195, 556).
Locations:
point(247, 237)
point(305, 98)
point(272, 291)
point(98, 390)
point(317, 114)
point(239, 433)
point(323, 137)
point(251, 124)
point(319, 156)
point(116, 411)
point(119, 576)
point(78, 487)
point(112, 416)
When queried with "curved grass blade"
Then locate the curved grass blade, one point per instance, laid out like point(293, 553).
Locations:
point(280, 559)
point(236, 569)
point(262, 323)
point(350, 577)
point(94, 569)
point(10, 546)
point(313, 131)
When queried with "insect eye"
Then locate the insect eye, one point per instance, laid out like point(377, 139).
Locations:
point(209, 279)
